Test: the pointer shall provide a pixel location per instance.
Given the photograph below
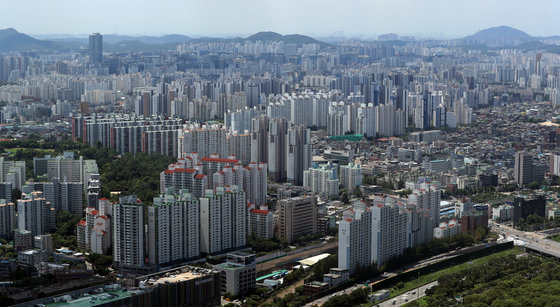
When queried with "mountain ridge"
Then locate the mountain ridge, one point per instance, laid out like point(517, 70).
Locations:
point(499, 33)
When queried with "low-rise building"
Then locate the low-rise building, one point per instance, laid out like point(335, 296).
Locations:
point(30, 258)
point(336, 277)
point(23, 240)
point(239, 273)
point(473, 219)
point(315, 287)
point(446, 230)
point(502, 213)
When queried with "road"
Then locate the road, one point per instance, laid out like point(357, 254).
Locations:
point(405, 268)
point(322, 300)
point(407, 297)
point(534, 240)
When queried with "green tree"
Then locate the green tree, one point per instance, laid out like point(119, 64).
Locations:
point(534, 185)
point(344, 198)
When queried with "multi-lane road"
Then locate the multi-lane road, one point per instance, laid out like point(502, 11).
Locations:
point(407, 297)
point(533, 240)
point(320, 301)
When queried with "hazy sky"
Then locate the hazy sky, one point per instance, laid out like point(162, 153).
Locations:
point(431, 18)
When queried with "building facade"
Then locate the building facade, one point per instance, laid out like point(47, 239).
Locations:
point(297, 217)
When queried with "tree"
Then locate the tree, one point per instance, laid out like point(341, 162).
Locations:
point(100, 263)
point(344, 198)
point(357, 192)
point(534, 185)
point(16, 194)
point(65, 234)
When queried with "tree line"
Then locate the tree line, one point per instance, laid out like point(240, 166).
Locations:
point(503, 281)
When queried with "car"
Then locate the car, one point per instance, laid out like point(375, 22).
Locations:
point(413, 292)
point(394, 302)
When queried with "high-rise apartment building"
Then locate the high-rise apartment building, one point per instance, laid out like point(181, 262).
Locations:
point(298, 153)
point(426, 199)
point(94, 233)
point(93, 191)
point(350, 176)
point(67, 196)
point(13, 172)
point(6, 191)
point(259, 139)
point(96, 48)
point(35, 213)
point(322, 180)
point(355, 238)
point(378, 232)
point(255, 182)
point(297, 217)
point(71, 197)
point(173, 228)
point(260, 222)
point(128, 233)
point(212, 165)
point(223, 220)
point(7, 219)
point(389, 236)
point(180, 178)
point(277, 131)
point(66, 168)
point(205, 140)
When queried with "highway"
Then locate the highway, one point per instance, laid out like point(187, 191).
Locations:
point(322, 300)
point(405, 268)
point(407, 297)
point(533, 240)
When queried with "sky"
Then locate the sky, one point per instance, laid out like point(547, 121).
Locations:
point(318, 18)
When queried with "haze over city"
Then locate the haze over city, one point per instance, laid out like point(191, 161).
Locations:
point(428, 19)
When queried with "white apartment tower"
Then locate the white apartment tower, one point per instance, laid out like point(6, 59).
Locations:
point(223, 220)
point(128, 232)
point(355, 238)
point(350, 176)
point(298, 153)
point(321, 180)
point(35, 214)
point(389, 232)
point(255, 182)
point(426, 199)
point(173, 228)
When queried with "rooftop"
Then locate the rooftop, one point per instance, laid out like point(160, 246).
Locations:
point(175, 275)
point(94, 300)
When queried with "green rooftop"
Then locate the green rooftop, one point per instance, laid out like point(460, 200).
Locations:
point(348, 137)
point(94, 300)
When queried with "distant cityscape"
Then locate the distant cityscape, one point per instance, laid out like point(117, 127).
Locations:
point(272, 170)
